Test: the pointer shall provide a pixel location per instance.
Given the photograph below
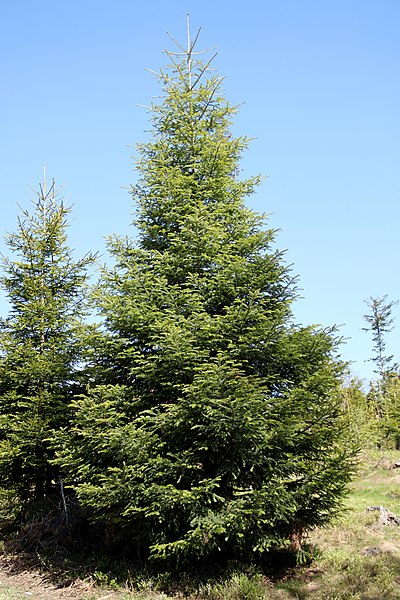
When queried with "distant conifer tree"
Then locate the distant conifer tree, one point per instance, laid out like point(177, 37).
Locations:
point(380, 322)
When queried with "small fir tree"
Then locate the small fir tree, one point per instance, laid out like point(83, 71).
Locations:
point(39, 344)
point(382, 391)
point(380, 322)
point(218, 430)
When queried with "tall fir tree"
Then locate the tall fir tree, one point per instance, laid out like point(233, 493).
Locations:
point(216, 425)
point(40, 347)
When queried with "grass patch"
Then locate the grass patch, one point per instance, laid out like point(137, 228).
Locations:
point(9, 593)
point(359, 558)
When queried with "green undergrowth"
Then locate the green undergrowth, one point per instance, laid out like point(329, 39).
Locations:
point(356, 558)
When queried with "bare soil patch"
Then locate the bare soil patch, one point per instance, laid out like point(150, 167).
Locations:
point(32, 584)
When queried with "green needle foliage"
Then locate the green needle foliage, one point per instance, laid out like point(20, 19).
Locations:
point(384, 392)
point(216, 427)
point(380, 322)
point(39, 345)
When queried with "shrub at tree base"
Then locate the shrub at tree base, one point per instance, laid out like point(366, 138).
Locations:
point(215, 426)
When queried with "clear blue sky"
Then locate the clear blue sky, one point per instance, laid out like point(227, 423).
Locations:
point(320, 84)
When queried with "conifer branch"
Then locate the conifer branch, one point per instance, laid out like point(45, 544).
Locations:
point(159, 75)
point(203, 70)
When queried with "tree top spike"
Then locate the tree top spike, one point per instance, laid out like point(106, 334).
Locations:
point(44, 179)
point(188, 53)
point(188, 33)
